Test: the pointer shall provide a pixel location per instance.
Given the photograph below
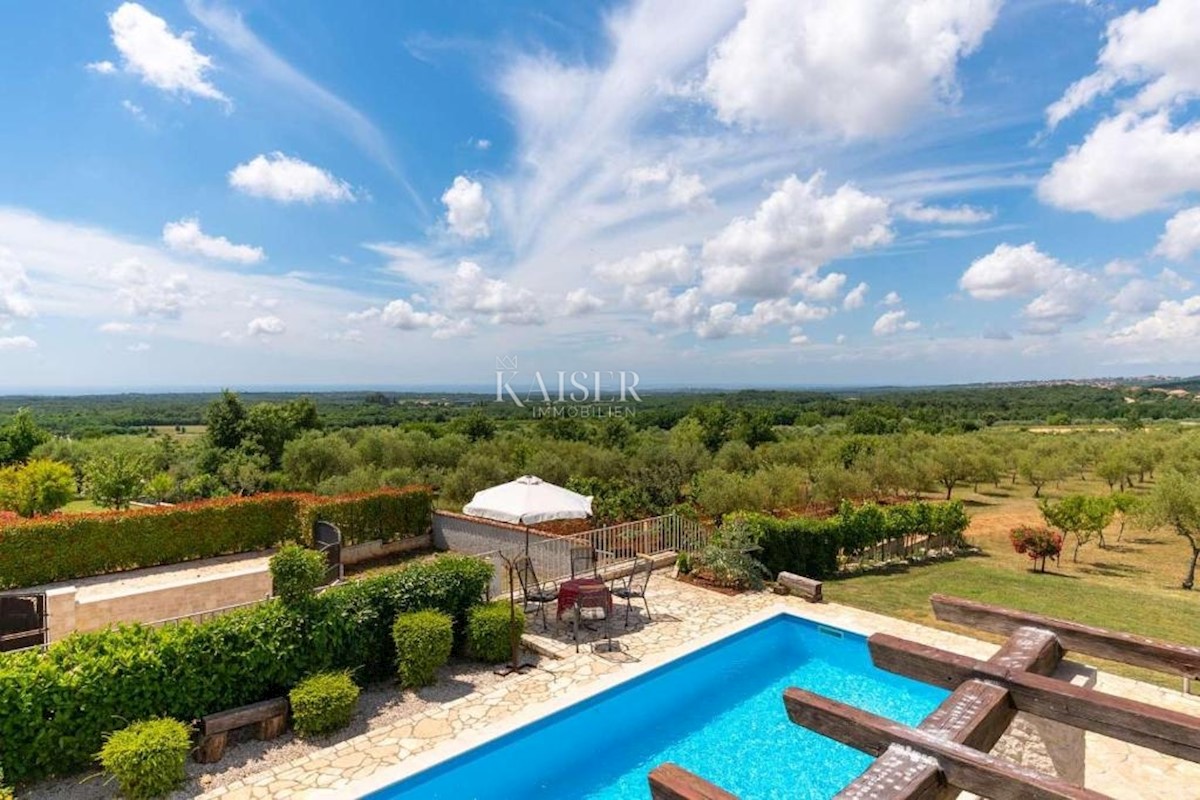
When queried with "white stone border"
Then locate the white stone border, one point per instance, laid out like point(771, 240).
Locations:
point(473, 739)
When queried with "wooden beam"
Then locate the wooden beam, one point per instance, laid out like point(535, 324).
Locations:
point(976, 714)
point(1160, 729)
point(1126, 648)
point(672, 782)
point(965, 767)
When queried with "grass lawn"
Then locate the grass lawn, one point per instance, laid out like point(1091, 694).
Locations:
point(80, 507)
point(1131, 586)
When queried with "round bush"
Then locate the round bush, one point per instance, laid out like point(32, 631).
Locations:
point(147, 758)
point(323, 703)
point(296, 572)
point(489, 630)
point(423, 643)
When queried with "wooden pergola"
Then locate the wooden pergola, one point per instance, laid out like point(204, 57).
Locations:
point(949, 751)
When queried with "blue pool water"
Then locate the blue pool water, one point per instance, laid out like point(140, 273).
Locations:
point(717, 712)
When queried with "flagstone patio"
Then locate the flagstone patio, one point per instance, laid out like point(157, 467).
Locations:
point(683, 614)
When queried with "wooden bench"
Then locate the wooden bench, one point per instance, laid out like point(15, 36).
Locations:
point(807, 588)
point(269, 715)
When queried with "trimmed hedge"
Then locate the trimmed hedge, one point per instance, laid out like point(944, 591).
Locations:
point(323, 703)
point(66, 547)
point(424, 640)
point(296, 572)
point(387, 514)
point(58, 705)
point(809, 546)
point(148, 757)
point(489, 631)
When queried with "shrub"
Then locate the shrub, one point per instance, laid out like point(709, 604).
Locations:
point(490, 631)
point(6, 793)
point(424, 640)
point(803, 545)
point(1037, 543)
point(729, 558)
point(296, 572)
point(147, 758)
point(59, 704)
point(39, 487)
point(81, 545)
point(387, 514)
point(323, 703)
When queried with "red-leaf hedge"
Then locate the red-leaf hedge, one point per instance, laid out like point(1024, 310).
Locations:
point(71, 546)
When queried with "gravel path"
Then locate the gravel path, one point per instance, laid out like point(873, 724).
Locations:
point(380, 704)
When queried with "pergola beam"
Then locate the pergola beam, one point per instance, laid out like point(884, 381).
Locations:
point(1159, 729)
point(672, 782)
point(964, 767)
point(976, 714)
point(1126, 648)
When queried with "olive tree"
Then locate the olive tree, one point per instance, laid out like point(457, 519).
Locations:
point(1174, 502)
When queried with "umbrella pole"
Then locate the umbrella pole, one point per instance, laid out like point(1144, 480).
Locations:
point(514, 638)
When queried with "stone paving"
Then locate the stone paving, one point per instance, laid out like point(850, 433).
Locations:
point(683, 614)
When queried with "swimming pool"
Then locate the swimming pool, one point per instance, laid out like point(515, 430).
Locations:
point(717, 711)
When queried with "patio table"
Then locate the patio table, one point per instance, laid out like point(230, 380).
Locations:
point(569, 591)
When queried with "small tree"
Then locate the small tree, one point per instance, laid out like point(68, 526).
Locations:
point(1126, 505)
point(1175, 502)
point(296, 572)
point(39, 487)
point(115, 477)
point(1079, 516)
point(1037, 543)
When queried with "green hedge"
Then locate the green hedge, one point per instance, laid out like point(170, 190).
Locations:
point(147, 758)
point(809, 546)
point(58, 705)
point(296, 572)
point(67, 547)
point(490, 630)
point(323, 703)
point(388, 514)
point(424, 640)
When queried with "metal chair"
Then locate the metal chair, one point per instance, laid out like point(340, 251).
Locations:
point(593, 597)
point(533, 590)
point(635, 585)
point(583, 561)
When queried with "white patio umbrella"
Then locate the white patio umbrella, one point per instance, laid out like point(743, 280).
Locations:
point(527, 501)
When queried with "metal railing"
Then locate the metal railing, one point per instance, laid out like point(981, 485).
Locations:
point(647, 537)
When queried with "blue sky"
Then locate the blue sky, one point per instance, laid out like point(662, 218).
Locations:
point(757, 192)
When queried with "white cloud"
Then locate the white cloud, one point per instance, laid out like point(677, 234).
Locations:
point(580, 302)
point(891, 299)
point(668, 265)
point(134, 110)
point(1119, 267)
point(266, 326)
point(17, 343)
point(467, 209)
point(101, 67)
point(483, 144)
point(185, 236)
point(1181, 236)
point(798, 227)
point(14, 289)
point(161, 59)
point(401, 314)
point(1174, 321)
point(824, 290)
point(943, 215)
point(1067, 299)
point(851, 68)
point(124, 328)
point(856, 298)
point(1011, 271)
point(1154, 48)
point(893, 322)
point(288, 180)
point(148, 292)
point(469, 289)
point(138, 347)
point(1139, 296)
point(677, 311)
point(1127, 165)
point(682, 189)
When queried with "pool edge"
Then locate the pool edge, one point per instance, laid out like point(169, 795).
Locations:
point(467, 741)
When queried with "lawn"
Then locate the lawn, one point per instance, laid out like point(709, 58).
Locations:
point(81, 506)
point(1131, 586)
